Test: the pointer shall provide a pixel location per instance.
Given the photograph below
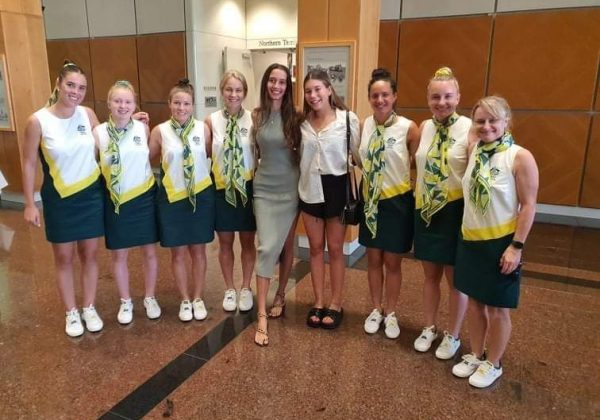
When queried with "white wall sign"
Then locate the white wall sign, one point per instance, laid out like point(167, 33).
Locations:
point(271, 43)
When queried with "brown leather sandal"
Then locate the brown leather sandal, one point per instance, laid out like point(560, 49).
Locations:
point(278, 308)
point(264, 341)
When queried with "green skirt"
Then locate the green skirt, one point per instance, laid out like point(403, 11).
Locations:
point(395, 225)
point(437, 242)
point(135, 225)
point(73, 218)
point(235, 219)
point(178, 225)
point(477, 273)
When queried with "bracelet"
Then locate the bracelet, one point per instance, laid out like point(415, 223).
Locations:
point(517, 244)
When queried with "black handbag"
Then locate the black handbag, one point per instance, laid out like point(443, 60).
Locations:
point(353, 209)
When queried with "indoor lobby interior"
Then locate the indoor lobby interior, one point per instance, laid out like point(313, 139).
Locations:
point(213, 369)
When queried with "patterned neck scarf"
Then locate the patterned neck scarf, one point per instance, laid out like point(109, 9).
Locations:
point(435, 189)
point(479, 189)
point(234, 160)
point(183, 131)
point(373, 167)
point(114, 137)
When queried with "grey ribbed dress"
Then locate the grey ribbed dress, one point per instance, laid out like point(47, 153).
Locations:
point(275, 194)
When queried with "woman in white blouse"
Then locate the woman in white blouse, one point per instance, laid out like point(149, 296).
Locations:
point(322, 188)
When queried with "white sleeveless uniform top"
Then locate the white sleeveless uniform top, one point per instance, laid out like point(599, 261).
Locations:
point(136, 172)
point(396, 175)
point(501, 216)
point(219, 124)
point(458, 151)
point(172, 161)
point(68, 146)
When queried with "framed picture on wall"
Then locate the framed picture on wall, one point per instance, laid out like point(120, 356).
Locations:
point(337, 59)
point(6, 115)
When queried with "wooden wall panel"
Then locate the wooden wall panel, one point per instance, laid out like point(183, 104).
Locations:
point(389, 31)
point(425, 45)
point(162, 62)
point(344, 18)
point(590, 193)
point(557, 142)
point(555, 68)
point(158, 113)
point(112, 59)
point(313, 20)
point(76, 50)
point(22, 42)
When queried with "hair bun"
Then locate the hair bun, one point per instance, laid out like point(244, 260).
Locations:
point(183, 82)
point(380, 73)
point(67, 63)
point(444, 72)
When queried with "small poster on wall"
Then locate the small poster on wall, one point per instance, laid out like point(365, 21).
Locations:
point(6, 117)
point(335, 58)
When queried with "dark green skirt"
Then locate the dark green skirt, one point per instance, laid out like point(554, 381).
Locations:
point(395, 225)
point(73, 218)
point(135, 225)
point(437, 242)
point(477, 273)
point(178, 225)
point(235, 219)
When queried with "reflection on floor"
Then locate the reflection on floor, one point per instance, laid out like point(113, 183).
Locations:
point(212, 369)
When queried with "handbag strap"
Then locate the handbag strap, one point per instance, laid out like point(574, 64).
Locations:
point(350, 174)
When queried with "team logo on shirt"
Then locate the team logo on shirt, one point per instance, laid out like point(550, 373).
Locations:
point(196, 140)
point(494, 172)
point(243, 132)
point(81, 129)
point(137, 140)
point(390, 142)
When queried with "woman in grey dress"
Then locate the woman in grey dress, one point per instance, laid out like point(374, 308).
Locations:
point(276, 135)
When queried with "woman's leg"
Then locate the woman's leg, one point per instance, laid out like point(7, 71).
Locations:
point(88, 252)
point(120, 272)
point(180, 271)
point(499, 333)
point(335, 232)
point(150, 269)
point(431, 291)
point(315, 231)
point(198, 254)
point(393, 280)
point(226, 257)
point(478, 326)
point(458, 303)
point(286, 258)
point(262, 289)
point(63, 263)
point(248, 257)
point(375, 276)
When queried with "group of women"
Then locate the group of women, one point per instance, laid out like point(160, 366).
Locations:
point(256, 172)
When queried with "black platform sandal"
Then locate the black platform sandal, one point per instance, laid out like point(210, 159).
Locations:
point(318, 313)
point(337, 317)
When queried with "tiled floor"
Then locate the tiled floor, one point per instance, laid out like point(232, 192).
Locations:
point(212, 369)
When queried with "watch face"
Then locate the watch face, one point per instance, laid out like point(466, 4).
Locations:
point(517, 244)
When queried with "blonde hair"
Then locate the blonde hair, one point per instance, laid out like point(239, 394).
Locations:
point(444, 74)
point(495, 105)
point(121, 84)
point(236, 75)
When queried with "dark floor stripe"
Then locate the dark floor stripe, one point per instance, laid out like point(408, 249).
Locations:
point(149, 394)
point(557, 278)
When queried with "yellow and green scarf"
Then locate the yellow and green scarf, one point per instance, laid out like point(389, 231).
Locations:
point(116, 170)
point(183, 131)
point(234, 161)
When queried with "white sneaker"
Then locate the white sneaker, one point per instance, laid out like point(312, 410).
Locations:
point(73, 327)
point(200, 312)
point(92, 320)
point(152, 308)
point(229, 301)
point(467, 367)
point(373, 322)
point(392, 329)
point(485, 375)
point(246, 301)
point(185, 311)
point(423, 342)
point(125, 315)
point(448, 347)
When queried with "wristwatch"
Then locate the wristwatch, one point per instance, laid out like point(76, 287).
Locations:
point(517, 244)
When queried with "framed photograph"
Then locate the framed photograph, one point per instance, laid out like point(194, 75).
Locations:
point(6, 115)
point(337, 59)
